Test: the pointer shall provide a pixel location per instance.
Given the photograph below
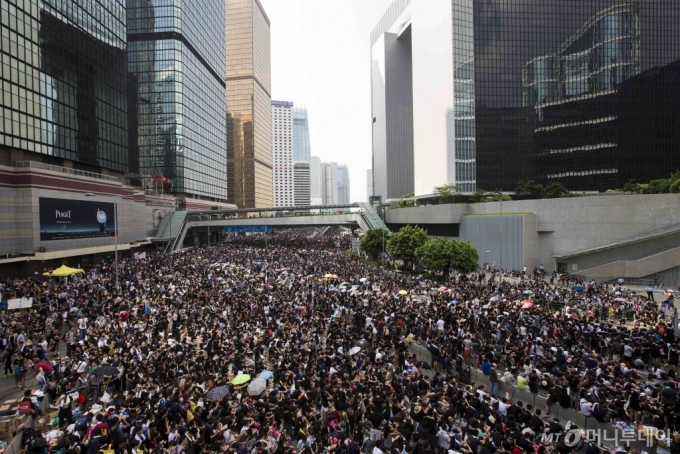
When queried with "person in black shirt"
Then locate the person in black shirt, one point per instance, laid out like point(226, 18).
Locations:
point(472, 440)
point(514, 410)
point(426, 448)
point(536, 423)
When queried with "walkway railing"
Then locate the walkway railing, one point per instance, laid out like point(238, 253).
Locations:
point(53, 168)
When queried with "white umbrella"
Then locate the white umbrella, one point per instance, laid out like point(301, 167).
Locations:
point(363, 279)
point(256, 387)
point(354, 350)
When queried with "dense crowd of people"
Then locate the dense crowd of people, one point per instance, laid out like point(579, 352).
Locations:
point(158, 365)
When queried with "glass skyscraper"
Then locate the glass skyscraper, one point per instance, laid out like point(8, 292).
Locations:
point(580, 92)
point(302, 150)
point(249, 111)
point(176, 56)
point(63, 74)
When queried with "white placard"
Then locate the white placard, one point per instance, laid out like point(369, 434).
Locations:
point(19, 303)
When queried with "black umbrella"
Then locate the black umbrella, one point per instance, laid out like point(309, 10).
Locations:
point(363, 343)
point(106, 370)
point(217, 394)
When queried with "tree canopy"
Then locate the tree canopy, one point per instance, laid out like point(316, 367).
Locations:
point(446, 190)
point(482, 196)
point(435, 254)
point(465, 257)
point(406, 203)
point(531, 190)
point(402, 245)
point(440, 254)
point(372, 242)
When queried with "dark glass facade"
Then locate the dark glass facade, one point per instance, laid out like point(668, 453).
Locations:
point(582, 92)
point(177, 95)
point(64, 86)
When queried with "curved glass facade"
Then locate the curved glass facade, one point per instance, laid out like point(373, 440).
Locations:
point(64, 87)
point(563, 90)
point(177, 90)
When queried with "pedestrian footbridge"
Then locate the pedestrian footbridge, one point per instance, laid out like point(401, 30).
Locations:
point(201, 227)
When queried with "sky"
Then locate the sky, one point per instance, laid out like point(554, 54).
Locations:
point(321, 61)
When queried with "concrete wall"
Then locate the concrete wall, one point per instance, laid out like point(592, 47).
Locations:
point(651, 264)
point(493, 234)
point(22, 188)
point(431, 214)
point(561, 227)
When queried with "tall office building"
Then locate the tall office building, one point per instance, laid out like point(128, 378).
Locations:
point(486, 98)
point(369, 184)
point(176, 60)
point(301, 182)
point(316, 177)
point(302, 155)
point(343, 184)
point(249, 128)
point(302, 150)
point(329, 183)
point(64, 85)
point(283, 171)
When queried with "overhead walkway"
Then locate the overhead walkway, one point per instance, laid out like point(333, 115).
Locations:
point(175, 230)
point(372, 218)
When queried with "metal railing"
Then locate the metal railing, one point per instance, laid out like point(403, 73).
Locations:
point(627, 281)
point(53, 168)
point(174, 239)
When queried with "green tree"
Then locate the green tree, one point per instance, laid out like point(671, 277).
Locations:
point(403, 244)
point(445, 191)
point(660, 186)
point(631, 186)
point(406, 203)
point(529, 190)
point(436, 254)
point(675, 186)
point(465, 257)
point(482, 196)
point(555, 190)
point(372, 242)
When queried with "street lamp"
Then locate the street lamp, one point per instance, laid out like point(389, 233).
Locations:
point(115, 232)
point(383, 245)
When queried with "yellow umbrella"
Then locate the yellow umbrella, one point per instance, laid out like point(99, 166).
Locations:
point(403, 292)
point(64, 270)
point(240, 379)
point(328, 276)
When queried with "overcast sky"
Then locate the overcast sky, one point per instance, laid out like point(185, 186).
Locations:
point(321, 61)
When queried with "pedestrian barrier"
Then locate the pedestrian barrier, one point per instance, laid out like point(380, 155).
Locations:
point(605, 432)
point(16, 445)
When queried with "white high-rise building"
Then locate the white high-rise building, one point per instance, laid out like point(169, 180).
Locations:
point(369, 184)
point(282, 141)
point(315, 172)
point(423, 95)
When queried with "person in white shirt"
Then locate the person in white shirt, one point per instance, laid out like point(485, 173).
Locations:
point(440, 325)
point(586, 407)
point(82, 327)
point(82, 366)
point(503, 407)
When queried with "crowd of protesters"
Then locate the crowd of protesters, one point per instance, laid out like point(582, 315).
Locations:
point(151, 366)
